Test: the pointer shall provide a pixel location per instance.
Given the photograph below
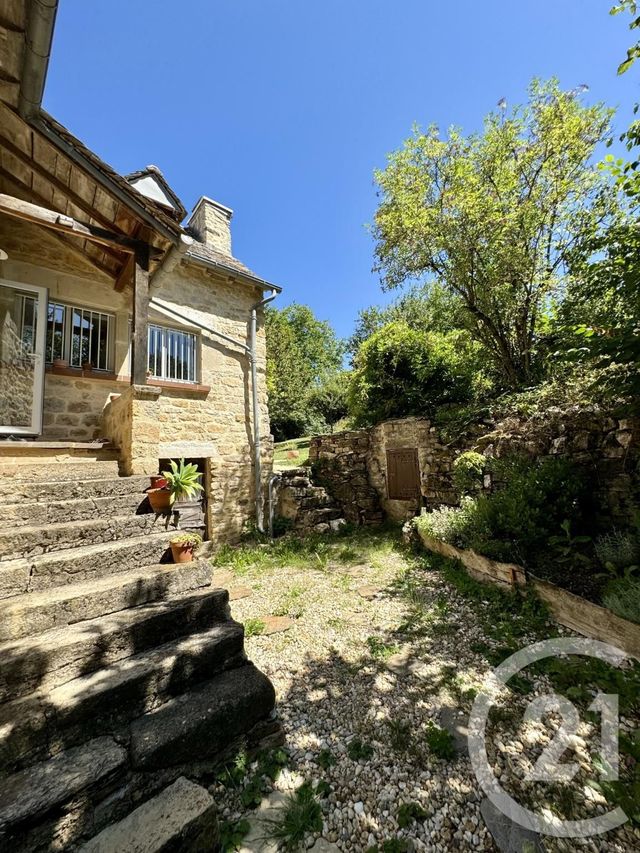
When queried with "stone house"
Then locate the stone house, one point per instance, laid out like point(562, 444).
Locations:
point(126, 339)
point(120, 323)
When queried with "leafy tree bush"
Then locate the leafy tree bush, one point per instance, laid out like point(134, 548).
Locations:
point(494, 217)
point(302, 353)
point(401, 371)
point(330, 400)
point(468, 471)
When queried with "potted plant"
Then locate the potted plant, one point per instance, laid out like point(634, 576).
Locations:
point(87, 366)
point(60, 362)
point(158, 481)
point(183, 546)
point(159, 498)
point(183, 480)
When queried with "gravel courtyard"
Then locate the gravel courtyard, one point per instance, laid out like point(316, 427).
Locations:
point(372, 650)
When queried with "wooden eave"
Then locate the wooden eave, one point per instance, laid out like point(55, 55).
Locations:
point(46, 166)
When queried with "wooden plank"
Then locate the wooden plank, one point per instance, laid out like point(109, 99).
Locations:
point(126, 275)
point(589, 619)
point(59, 222)
point(140, 342)
point(75, 198)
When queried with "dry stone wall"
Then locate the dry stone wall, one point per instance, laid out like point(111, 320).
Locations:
point(305, 505)
point(353, 465)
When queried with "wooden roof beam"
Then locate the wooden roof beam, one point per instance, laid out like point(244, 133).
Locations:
point(29, 212)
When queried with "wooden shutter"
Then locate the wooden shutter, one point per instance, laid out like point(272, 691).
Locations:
point(403, 474)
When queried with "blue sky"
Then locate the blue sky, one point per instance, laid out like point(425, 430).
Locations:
point(281, 109)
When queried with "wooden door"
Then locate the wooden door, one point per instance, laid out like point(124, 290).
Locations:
point(403, 474)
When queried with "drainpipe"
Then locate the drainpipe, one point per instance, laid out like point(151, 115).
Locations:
point(38, 38)
point(257, 465)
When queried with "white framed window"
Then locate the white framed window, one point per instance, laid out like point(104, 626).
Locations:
point(80, 335)
point(172, 354)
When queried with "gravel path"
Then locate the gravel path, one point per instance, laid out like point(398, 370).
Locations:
point(380, 647)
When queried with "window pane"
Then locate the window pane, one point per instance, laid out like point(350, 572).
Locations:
point(172, 354)
point(55, 331)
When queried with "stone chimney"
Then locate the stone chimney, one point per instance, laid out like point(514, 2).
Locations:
point(210, 223)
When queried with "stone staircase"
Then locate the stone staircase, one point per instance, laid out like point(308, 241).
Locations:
point(305, 505)
point(120, 671)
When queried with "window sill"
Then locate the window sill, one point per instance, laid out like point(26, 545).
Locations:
point(78, 373)
point(186, 387)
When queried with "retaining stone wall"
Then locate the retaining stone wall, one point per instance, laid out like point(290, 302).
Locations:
point(353, 464)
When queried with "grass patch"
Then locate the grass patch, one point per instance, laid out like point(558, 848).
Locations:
point(439, 742)
point(254, 627)
point(359, 751)
point(410, 812)
point(292, 453)
point(315, 551)
point(300, 814)
point(399, 735)
point(325, 759)
point(379, 649)
point(391, 845)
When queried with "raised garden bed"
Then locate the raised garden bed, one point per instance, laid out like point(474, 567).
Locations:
point(571, 611)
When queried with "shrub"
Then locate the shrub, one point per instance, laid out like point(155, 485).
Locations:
point(468, 471)
point(517, 520)
point(402, 371)
point(439, 742)
point(622, 597)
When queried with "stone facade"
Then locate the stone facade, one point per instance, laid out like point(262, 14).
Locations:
point(210, 421)
point(353, 465)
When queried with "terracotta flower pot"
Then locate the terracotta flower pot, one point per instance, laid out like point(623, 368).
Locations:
point(160, 500)
point(182, 553)
point(158, 481)
point(60, 362)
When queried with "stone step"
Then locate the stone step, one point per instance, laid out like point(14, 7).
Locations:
point(28, 542)
point(39, 794)
point(82, 564)
point(106, 701)
point(46, 490)
point(37, 612)
point(37, 513)
point(180, 818)
point(202, 724)
point(45, 661)
point(322, 515)
point(57, 472)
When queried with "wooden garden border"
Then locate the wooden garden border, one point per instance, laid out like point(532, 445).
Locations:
point(569, 610)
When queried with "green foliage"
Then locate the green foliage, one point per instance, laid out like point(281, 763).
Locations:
point(302, 353)
point(424, 308)
point(379, 649)
point(232, 834)
point(517, 520)
point(410, 812)
point(494, 216)
point(254, 627)
point(468, 471)
point(183, 480)
point(399, 735)
point(391, 845)
point(357, 750)
point(326, 759)
point(191, 540)
point(300, 814)
point(401, 371)
point(633, 52)
point(330, 400)
point(622, 596)
point(439, 742)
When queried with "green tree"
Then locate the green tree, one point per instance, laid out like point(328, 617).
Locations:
point(302, 352)
point(494, 217)
point(402, 371)
point(330, 400)
point(422, 307)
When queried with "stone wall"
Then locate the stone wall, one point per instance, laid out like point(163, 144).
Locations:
point(354, 465)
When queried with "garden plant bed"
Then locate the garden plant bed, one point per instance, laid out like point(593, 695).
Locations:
point(364, 684)
point(570, 610)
